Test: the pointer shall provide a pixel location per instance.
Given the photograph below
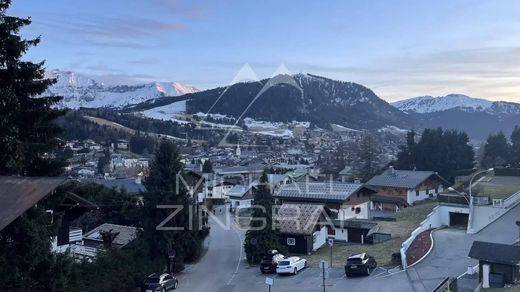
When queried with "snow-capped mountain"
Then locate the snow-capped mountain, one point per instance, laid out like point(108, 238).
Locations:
point(81, 91)
point(430, 104)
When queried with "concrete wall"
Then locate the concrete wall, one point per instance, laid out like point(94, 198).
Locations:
point(482, 216)
point(440, 216)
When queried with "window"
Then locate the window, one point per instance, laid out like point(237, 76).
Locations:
point(358, 210)
point(291, 241)
point(417, 193)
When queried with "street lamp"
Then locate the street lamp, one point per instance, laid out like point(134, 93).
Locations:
point(470, 219)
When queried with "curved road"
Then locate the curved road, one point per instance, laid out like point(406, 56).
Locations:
point(218, 267)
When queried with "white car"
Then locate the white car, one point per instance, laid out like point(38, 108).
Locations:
point(291, 265)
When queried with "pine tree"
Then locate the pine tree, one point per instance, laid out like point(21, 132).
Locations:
point(207, 167)
point(496, 151)
point(406, 155)
point(515, 147)
point(27, 129)
point(445, 152)
point(27, 144)
point(366, 164)
point(259, 241)
point(165, 188)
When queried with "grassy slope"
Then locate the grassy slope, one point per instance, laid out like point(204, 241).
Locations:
point(407, 221)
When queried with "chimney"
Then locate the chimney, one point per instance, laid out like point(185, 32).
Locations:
point(391, 170)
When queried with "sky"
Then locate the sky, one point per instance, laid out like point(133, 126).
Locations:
point(398, 48)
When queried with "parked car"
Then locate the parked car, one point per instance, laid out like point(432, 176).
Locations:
point(159, 282)
point(360, 264)
point(270, 262)
point(291, 265)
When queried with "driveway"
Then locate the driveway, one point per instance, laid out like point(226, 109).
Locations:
point(449, 256)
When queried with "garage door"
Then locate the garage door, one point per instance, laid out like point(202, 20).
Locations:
point(459, 220)
point(355, 234)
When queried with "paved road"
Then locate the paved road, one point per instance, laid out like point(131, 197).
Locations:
point(449, 256)
point(217, 269)
point(223, 269)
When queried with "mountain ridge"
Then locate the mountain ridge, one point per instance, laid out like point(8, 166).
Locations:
point(82, 91)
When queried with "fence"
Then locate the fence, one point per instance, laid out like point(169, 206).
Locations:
point(453, 199)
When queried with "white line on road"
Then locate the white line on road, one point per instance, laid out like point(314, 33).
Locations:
point(240, 255)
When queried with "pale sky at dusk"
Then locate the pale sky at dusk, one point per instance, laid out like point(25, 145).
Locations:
point(398, 48)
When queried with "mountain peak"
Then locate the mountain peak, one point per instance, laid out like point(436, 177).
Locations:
point(82, 91)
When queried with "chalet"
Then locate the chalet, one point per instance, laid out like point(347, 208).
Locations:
point(346, 174)
point(344, 200)
point(499, 264)
point(19, 194)
point(242, 196)
point(398, 189)
point(299, 227)
point(87, 246)
point(122, 144)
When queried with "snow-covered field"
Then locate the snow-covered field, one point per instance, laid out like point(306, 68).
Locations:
point(168, 112)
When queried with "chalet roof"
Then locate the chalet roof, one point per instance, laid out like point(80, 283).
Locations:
point(408, 179)
point(318, 191)
point(346, 171)
point(242, 191)
point(125, 236)
point(298, 219)
point(18, 194)
point(240, 169)
point(495, 252)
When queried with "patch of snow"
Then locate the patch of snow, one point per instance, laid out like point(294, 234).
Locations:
point(167, 112)
point(429, 104)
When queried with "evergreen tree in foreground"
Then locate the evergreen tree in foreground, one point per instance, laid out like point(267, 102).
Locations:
point(165, 188)
point(258, 240)
point(27, 129)
point(27, 142)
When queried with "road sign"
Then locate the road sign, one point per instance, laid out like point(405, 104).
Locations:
point(269, 281)
point(331, 241)
point(171, 253)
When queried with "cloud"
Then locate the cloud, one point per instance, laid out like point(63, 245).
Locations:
point(489, 72)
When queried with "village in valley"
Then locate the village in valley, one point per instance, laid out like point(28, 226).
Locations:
point(113, 181)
